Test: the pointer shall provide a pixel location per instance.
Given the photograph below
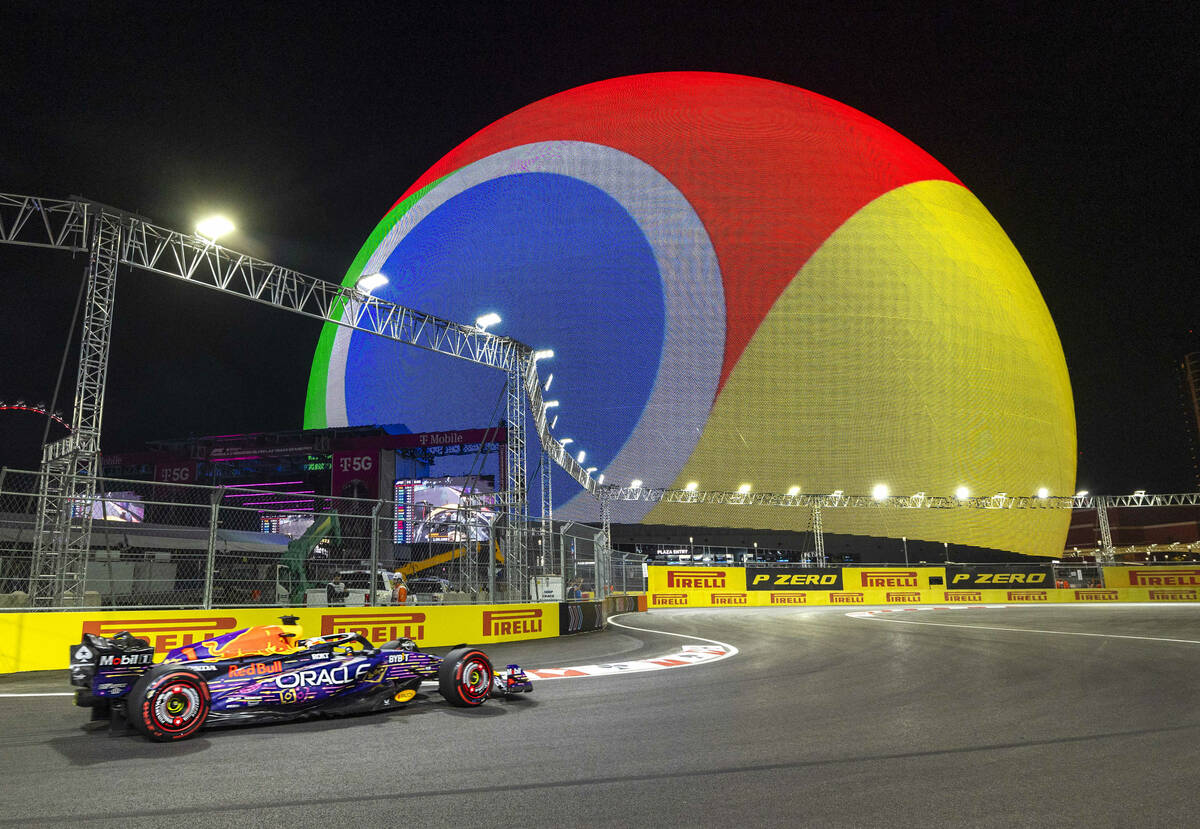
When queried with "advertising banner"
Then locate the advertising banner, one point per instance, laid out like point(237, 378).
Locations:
point(793, 578)
point(176, 472)
point(577, 617)
point(999, 577)
point(39, 641)
point(1159, 578)
point(355, 474)
point(694, 586)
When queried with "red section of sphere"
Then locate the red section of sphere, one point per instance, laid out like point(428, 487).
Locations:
point(772, 170)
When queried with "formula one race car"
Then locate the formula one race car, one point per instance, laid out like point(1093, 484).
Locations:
point(269, 673)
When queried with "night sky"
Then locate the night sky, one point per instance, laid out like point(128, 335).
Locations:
point(1079, 132)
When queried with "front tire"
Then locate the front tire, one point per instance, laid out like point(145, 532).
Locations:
point(167, 706)
point(465, 677)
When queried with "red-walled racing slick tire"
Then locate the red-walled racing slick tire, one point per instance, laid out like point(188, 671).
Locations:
point(171, 705)
point(465, 677)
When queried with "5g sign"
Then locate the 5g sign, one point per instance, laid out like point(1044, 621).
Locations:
point(359, 463)
point(178, 474)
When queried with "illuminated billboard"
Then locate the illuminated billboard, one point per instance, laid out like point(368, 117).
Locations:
point(116, 506)
point(428, 509)
point(744, 283)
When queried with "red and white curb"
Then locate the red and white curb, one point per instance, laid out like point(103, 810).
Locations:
point(710, 651)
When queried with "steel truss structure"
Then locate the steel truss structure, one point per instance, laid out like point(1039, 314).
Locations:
point(920, 500)
point(113, 237)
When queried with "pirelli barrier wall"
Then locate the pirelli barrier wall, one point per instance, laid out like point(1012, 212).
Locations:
point(39, 641)
point(977, 584)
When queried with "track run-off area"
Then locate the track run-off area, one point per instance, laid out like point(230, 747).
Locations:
point(1070, 715)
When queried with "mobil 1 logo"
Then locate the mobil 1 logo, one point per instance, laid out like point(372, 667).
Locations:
point(793, 578)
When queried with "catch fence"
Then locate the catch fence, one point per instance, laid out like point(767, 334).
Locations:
point(172, 545)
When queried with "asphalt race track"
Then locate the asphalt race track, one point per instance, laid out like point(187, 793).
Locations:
point(963, 717)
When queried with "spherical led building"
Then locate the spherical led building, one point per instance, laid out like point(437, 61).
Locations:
point(743, 282)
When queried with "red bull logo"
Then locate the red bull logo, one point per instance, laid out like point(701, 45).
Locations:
point(377, 628)
point(890, 578)
point(512, 622)
point(669, 599)
point(695, 579)
point(728, 598)
point(904, 597)
point(256, 669)
point(255, 641)
point(164, 634)
point(1162, 577)
point(789, 598)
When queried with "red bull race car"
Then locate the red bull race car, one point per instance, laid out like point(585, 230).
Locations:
point(267, 673)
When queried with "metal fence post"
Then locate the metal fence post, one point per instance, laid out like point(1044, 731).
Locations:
point(492, 559)
point(374, 552)
point(210, 561)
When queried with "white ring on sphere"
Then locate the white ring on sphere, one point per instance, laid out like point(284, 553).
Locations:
point(693, 298)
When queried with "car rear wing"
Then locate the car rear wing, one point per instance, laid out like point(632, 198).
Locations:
point(123, 655)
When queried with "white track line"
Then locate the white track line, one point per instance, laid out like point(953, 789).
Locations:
point(889, 618)
point(47, 694)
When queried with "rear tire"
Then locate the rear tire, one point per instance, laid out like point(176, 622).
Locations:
point(465, 677)
point(168, 705)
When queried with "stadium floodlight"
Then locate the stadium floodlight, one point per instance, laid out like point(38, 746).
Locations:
point(837, 493)
point(692, 486)
point(1081, 493)
point(880, 492)
point(636, 483)
point(590, 470)
point(1137, 493)
point(565, 441)
point(549, 380)
point(554, 422)
point(550, 404)
point(369, 282)
point(543, 354)
point(743, 489)
point(582, 455)
point(793, 490)
point(1043, 493)
point(600, 479)
point(213, 227)
point(487, 320)
point(962, 493)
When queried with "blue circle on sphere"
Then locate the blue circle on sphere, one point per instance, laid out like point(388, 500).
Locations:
point(566, 268)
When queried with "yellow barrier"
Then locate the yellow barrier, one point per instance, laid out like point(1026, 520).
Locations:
point(794, 586)
point(40, 641)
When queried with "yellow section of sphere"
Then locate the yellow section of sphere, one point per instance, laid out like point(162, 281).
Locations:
point(912, 350)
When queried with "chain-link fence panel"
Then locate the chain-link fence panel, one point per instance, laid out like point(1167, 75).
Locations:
point(175, 545)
